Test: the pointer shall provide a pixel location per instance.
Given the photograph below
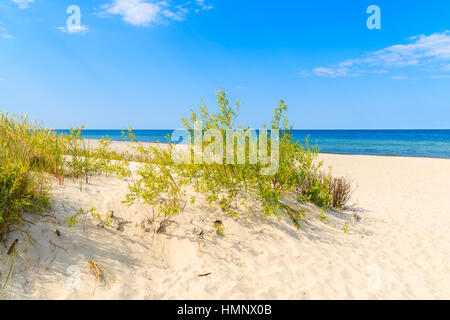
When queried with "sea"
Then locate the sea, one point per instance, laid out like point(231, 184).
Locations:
point(406, 143)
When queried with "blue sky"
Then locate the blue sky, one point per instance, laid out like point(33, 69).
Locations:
point(146, 63)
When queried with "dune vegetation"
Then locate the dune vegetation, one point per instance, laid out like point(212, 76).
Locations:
point(33, 157)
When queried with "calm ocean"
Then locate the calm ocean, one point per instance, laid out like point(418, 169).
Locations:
point(411, 143)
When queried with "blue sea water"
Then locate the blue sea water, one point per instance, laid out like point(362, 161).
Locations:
point(410, 143)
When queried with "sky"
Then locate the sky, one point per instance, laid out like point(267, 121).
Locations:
point(145, 64)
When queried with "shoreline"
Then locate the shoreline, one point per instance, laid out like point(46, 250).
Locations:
point(383, 156)
point(121, 145)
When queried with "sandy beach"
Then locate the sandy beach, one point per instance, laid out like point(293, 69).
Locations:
point(224, 150)
point(393, 244)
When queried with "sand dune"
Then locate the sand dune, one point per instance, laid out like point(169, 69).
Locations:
point(396, 246)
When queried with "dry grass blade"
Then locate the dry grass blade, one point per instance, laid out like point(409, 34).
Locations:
point(96, 270)
point(10, 271)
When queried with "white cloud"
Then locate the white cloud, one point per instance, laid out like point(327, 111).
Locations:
point(23, 4)
point(146, 12)
point(432, 52)
point(135, 12)
point(339, 71)
point(74, 29)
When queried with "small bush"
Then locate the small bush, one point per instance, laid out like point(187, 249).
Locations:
point(315, 188)
point(325, 190)
point(30, 155)
point(20, 191)
point(341, 190)
point(27, 153)
point(81, 161)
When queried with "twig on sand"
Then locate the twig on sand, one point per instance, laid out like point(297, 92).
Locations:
point(13, 245)
point(31, 222)
point(204, 274)
point(55, 245)
point(29, 239)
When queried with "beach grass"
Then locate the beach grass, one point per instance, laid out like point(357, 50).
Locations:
point(31, 156)
point(28, 154)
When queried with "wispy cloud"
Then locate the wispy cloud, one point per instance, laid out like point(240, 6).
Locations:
point(177, 13)
point(147, 12)
point(429, 52)
point(4, 34)
point(74, 29)
point(23, 4)
point(442, 76)
point(202, 5)
point(399, 77)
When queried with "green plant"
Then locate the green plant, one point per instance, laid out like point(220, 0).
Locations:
point(163, 183)
point(103, 157)
point(157, 184)
point(323, 217)
point(27, 155)
point(31, 154)
point(103, 221)
point(82, 160)
point(218, 227)
point(72, 220)
point(346, 227)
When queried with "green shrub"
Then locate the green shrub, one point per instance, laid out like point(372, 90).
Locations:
point(341, 190)
point(80, 161)
point(27, 154)
point(162, 183)
point(30, 155)
point(20, 191)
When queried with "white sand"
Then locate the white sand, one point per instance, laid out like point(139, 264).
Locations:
point(398, 249)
